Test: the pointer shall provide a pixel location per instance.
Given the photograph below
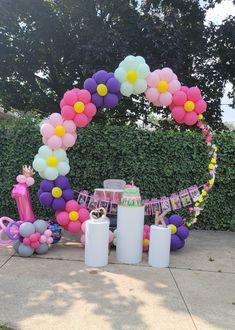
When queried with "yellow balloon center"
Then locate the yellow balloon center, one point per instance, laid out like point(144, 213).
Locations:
point(56, 192)
point(132, 76)
point(79, 107)
point(189, 106)
point(73, 215)
point(52, 161)
point(60, 130)
point(162, 86)
point(146, 242)
point(173, 229)
point(102, 89)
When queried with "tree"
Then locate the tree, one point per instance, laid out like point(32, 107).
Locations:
point(47, 47)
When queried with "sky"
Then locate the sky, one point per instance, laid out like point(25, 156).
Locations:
point(216, 15)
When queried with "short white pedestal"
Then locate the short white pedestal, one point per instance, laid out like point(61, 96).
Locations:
point(130, 228)
point(159, 246)
point(97, 243)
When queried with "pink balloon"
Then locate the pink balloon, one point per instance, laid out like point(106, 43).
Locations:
point(83, 227)
point(179, 98)
point(81, 120)
point(145, 235)
point(152, 94)
point(200, 106)
point(54, 142)
point(48, 233)
point(49, 240)
point(46, 130)
point(35, 245)
point(62, 103)
point(165, 99)
point(21, 178)
point(20, 193)
point(190, 118)
point(84, 96)
point(184, 89)
point(69, 126)
point(62, 218)
point(68, 112)
point(83, 239)
point(56, 119)
point(90, 110)
point(74, 226)
point(30, 181)
point(174, 86)
point(70, 97)
point(33, 237)
point(68, 140)
point(194, 94)
point(166, 74)
point(153, 78)
point(43, 239)
point(178, 114)
point(38, 235)
point(83, 215)
point(146, 228)
point(110, 236)
point(71, 205)
point(26, 241)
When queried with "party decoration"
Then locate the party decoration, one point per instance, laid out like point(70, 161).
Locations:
point(146, 238)
point(76, 105)
point(51, 163)
point(132, 73)
point(179, 232)
point(20, 193)
point(72, 216)
point(58, 133)
point(162, 84)
point(104, 89)
point(56, 193)
point(187, 105)
point(56, 230)
point(4, 238)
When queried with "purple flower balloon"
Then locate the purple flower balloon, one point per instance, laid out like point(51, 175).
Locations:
point(55, 194)
point(104, 89)
point(182, 232)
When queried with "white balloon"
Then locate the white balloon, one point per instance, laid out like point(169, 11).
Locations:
point(60, 154)
point(143, 70)
point(140, 86)
point(126, 89)
point(120, 74)
point(39, 164)
point(51, 173)
point(63, 168)
point(45, 151)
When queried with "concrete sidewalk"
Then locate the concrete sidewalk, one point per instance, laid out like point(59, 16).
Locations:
point(57, 291)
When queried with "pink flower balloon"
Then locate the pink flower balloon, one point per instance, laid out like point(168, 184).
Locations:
point(162, 84)
point(58, 133)
point(187, 104)
point(76, 105)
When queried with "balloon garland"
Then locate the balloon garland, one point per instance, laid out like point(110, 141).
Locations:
point(104, 90)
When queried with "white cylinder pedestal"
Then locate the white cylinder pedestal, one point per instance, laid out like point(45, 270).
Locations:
point(97, 243)
point(159, 246)
point(130, 230)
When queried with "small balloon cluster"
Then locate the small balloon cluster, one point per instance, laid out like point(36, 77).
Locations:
point(179, 231)
point(146, 238)
point(104, 90)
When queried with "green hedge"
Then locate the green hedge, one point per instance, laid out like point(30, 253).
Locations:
point(160, 162)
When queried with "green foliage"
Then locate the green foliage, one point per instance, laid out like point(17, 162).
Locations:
point(160, 162)
point(47, 47)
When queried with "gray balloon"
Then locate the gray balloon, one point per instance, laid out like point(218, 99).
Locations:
point(16, 246)
point(43, 248)
point(25, 250)
point(40, 226)
point(26, 229)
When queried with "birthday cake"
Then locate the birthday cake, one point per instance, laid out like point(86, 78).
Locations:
point(131, 196)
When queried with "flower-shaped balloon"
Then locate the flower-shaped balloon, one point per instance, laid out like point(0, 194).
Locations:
point(51, 163)
point(104, 89)
point(72, 216)
point(76, 105)
point(162, 84)
point(187, 104)
point(132, 73)
point(58, 133)
point(179, 232)
point(55, 193)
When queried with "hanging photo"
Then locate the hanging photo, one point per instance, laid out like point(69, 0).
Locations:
point(194, 193)
point(185, 197)
point(93, 203)
point(175, 202)
point(147, 207)
point(83, 197)
point(155, 206)
point(105, 204)
point(165, 204)
point(113, 207)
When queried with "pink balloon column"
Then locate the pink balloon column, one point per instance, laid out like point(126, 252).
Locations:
point(20, 193)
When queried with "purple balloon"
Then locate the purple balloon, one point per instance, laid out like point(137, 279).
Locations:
point(175, 242)
point(176, 220)
point(62, 182)
point(46, 199)
point(110, 100)
point(100, 76)
point(166, 220)
point(68, 194)
point(182, 232)
point(46, 185)
point(113, 85)
point(182, 244)
point(91, 85)
point(58, 204)
point(97, 100)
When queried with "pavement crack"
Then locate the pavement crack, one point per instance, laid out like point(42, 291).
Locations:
point(184, 301)
point(5, 262)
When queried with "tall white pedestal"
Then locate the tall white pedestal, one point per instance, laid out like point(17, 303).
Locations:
point(97, 243)
point(159, 246)
point(130, 229)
